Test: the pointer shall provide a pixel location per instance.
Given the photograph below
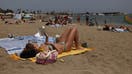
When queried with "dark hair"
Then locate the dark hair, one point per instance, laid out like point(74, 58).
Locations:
point(29, 46)
point(29, 51)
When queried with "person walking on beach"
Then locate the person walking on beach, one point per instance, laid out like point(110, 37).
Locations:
point(105, 21)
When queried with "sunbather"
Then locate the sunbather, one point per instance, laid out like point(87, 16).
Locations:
point(116, 29)
point(64, 42)
point(108, 28)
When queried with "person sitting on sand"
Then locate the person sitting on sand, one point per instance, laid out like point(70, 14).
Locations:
point(63, 43)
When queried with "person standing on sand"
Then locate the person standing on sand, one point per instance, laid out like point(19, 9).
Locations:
point(105, 21)
point(87, 18)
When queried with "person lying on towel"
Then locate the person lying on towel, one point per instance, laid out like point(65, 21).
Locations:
point(63, 43)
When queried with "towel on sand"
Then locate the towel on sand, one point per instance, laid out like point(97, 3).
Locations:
point(17, 44)
point(72, 52)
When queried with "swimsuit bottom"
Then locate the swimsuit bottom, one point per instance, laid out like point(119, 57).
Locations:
point(63, 43)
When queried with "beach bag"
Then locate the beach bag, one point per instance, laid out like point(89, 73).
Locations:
point(46, 57)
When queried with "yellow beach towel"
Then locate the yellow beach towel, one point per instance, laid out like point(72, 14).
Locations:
point(72, 52)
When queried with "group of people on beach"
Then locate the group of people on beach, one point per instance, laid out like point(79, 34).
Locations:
point(59, 20)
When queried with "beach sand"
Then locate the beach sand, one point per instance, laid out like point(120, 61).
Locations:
point(112, 52)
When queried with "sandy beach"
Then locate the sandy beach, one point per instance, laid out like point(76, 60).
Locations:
point(112, 52)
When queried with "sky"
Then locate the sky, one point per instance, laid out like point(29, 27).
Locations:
point(70, 5)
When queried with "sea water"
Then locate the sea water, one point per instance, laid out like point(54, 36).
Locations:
point(100, 19)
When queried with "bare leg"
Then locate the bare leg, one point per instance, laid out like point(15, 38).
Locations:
point(73, 36)
point(64, 35)
point(76, 39)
